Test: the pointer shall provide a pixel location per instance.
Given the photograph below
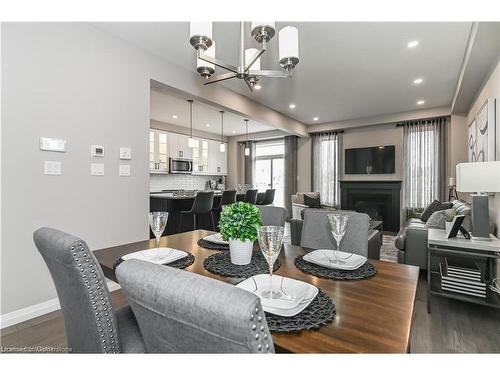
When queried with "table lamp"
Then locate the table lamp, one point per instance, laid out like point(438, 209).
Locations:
point(479, 178)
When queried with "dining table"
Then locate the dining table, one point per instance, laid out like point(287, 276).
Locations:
point(373, 315)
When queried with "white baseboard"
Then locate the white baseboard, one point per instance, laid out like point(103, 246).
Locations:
point(34, 311)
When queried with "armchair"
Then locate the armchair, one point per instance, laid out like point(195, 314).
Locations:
point(298, 204)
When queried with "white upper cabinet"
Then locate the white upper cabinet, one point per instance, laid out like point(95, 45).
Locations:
point(200, 157)
point(158, 151)
point(178, 146)
point(217, 161)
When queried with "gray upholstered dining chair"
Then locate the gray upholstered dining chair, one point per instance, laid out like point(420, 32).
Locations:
point(316, 232)
point(91, 324)
point(272, 215)
point(251, 196)
point(182, 312)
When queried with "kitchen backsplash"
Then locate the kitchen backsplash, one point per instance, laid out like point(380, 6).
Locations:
point(158, 182)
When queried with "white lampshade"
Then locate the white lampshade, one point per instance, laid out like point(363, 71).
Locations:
point(481, 177)
point(288, 42)
point(192, 143)
point(222, 147)
point(200, 29)
point(263, 23)
point(249, 54)
point(209, 52)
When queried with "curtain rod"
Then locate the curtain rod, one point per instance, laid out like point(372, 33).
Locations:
point(412, 122)
point(327, 132)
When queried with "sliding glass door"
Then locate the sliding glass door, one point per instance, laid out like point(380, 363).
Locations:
point(269, 168)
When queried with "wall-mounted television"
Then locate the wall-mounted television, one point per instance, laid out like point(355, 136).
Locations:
point(370, 160)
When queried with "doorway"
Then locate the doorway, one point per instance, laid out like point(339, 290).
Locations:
point(270, 168)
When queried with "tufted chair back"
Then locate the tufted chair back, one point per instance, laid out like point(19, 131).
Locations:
point(89, 320)
point(182, 312)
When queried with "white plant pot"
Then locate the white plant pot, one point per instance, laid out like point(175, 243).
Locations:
point(448, 226)
point(241, 252)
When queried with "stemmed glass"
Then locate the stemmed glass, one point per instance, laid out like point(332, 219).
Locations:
point(270, 240)
point(158, 222)
point(338, 225)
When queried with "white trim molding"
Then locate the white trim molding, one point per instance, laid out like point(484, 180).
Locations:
point(34, 311)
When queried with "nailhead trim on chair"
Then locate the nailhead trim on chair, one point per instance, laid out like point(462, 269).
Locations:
point(100, 301)
point(261, 340)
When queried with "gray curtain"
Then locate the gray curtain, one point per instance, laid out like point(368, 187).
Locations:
point(290, 178)
point(325, 167)
point(424, 162)
point(249, 162)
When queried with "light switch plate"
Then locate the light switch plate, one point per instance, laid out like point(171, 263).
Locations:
point(53, 168)
point(124, 170)
point(125, 153)
point(52, 144)
point(97, 151)
point(97, 169)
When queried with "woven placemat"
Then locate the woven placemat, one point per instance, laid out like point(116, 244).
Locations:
point(319, 312)
point(220, 264)
point(212, 245)
point(365, 271)
point(180, 263)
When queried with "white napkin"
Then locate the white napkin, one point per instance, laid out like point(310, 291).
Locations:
point(216, 238)
point(324, 258)
point(167, 255)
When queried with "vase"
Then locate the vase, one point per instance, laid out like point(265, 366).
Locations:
point(240, 251)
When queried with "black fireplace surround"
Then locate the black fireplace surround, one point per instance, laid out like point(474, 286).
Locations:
point(378, 199)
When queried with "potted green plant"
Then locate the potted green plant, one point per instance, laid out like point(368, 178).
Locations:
point(238, 225)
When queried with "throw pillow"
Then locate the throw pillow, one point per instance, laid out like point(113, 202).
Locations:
point(433, 207)
point(312, 202)
point(438, 218)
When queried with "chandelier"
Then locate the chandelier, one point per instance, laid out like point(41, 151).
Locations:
point(248, 68)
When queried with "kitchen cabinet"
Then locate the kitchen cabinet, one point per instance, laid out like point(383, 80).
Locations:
point(158, 151)
point(178, 146)
point(200, 156)
point(217, 161)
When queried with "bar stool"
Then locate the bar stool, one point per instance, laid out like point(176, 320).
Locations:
point(202, 205)
point(228, 197)
point(266, 198)
point(251, 196)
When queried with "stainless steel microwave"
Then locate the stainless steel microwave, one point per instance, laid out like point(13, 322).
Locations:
point(180, 165)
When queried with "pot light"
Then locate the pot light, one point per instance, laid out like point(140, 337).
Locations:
point(420, 102)
point(207, 125)
point(413, 44)
point(174, 116)
point(234, 131)
point(315, 118)
point(292, 106)
point(418, 81)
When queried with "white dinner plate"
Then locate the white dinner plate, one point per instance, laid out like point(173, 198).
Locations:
point(325, 258)
point(296, 294)
point(167, 255)
point(216, 238)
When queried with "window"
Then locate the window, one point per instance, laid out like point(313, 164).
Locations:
point(269, 168)
point(326, 167)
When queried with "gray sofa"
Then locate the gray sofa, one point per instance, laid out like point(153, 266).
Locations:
point(411, 241)
point(374, 236)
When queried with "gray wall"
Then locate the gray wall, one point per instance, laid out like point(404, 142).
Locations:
point(73, 81)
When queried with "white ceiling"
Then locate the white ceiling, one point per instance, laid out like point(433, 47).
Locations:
point(347, 70)
point(164, 106)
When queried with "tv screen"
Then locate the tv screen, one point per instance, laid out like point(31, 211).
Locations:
point(370, 160)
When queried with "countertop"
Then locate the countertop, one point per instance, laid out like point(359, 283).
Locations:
point(166, 195)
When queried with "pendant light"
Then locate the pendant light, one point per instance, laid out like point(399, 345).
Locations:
point(222, 146)
point(247, 149)
point(192, 143)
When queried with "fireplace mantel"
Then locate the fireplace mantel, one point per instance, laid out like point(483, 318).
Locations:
point(379, 199)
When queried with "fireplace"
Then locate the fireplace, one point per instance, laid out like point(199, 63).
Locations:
point(378, 199)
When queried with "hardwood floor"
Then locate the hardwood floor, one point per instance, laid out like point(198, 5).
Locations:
point(453, 327)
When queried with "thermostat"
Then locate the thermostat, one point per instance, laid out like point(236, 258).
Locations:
point(97, 151)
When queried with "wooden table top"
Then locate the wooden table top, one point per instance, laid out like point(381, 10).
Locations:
point(373, 315)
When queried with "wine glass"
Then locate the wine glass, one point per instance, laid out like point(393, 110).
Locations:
point(338, 225)
point(158, 222)
point(270, 240)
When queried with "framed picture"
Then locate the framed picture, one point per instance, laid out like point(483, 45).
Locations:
point(481, 134)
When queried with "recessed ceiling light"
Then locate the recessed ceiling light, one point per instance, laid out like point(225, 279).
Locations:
point(413, 44)
point(174, 116)
point(257, 86)
point(420, 102)
point(234, 131)
point(207, 125)
point(418, 81)
point(292, 106)
point(316, 118)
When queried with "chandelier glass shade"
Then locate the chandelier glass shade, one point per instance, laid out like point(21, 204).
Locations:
point(249, 65)
point(192, 143)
